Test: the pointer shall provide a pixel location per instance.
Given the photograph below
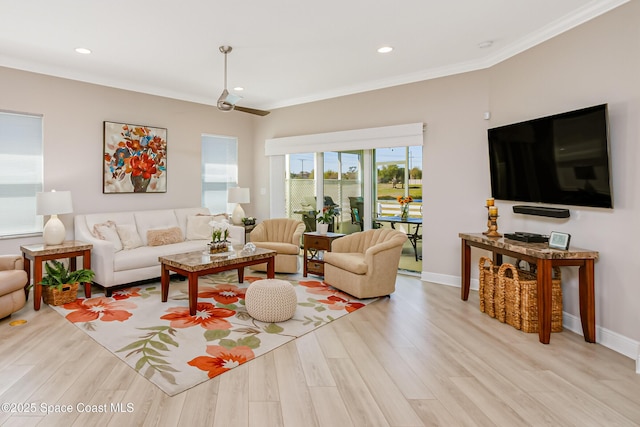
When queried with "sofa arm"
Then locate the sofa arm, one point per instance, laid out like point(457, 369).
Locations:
point(102, 254)
point(11, 262)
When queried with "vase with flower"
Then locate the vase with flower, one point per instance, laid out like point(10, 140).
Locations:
point(325, 219)
point(404, 206)
point(219, 237)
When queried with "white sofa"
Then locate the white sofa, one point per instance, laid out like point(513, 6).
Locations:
point(117, 261)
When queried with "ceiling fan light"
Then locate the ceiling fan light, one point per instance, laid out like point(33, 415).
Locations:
point(232, 99)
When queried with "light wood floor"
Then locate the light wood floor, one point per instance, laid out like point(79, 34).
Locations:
point(421, 357)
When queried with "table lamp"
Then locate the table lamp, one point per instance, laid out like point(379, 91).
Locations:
point(238, 195)
point(54, 203)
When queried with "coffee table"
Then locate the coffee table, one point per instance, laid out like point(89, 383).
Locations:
point(196, 264)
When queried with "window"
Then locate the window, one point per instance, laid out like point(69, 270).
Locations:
point(21, 173)
point(219, 171)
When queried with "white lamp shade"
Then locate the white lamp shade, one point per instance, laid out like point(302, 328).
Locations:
point(54, 203)
point(238, 195)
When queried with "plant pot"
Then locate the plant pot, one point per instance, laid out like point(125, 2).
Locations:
point(52, 296)
point(322, 228)
point(218, 247)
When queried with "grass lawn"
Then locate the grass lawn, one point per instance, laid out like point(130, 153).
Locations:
point(386, 192)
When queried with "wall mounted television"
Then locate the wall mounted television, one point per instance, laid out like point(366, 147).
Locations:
point(561, 159)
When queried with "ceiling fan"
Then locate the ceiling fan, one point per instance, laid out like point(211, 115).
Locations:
point(227, 101)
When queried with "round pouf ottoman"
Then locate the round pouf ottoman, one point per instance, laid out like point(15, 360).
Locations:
point(271, 300)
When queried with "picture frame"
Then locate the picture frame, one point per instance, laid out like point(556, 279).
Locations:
point(134, 158)
point(558, 240)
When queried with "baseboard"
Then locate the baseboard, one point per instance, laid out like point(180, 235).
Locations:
point(445, 279)
point(616, 342)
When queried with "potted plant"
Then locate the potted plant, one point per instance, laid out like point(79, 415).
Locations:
point(325, 218)
point(60, 285)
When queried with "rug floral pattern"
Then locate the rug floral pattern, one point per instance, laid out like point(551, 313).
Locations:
point(177, 351)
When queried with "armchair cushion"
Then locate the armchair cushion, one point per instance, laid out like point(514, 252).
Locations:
point(354, 262)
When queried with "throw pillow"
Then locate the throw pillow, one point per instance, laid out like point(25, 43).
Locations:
point(165, 236)
point(198, 227)
point(107, 231)
point(129, 236)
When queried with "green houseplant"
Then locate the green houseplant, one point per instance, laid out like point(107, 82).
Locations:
point(60, 285)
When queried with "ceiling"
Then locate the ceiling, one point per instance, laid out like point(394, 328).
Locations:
point(285, 52)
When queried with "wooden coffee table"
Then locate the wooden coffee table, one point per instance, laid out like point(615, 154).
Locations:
point(196, 264)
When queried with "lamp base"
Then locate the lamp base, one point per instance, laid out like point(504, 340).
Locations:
point(237, 215)
point(54, 231)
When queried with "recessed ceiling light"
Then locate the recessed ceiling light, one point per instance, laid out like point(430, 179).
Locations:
point(238, 88)
point(83, 50)
point(385, 49)
point(485, 44)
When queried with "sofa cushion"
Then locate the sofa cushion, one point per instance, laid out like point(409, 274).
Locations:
point(147, 256)
point(153, 220)
point(281, 248)
point(164, 236)
point(107, 231)
point(350, 261)
point(198, 227)
point(129, 236)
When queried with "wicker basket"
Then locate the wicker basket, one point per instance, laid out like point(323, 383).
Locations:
point(53, 296)
point(517, 294)
point(488, 281)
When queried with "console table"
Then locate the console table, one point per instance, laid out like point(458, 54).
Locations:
point(545, 259)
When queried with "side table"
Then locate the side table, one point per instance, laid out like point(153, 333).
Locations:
point(40, 253)
point(314, 243)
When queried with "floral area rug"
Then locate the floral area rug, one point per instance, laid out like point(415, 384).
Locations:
point(177, 351)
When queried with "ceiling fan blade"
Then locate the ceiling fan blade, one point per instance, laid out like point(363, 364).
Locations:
point(251, 110)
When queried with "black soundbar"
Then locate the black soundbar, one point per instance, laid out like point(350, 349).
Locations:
point(541, 211)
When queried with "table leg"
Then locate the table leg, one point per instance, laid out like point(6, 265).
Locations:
point(304, 262)
point(164, 282)
point(37, 287)
point(26, 262)
point(544, 300)
point(271, 268)
point(86, 264)
point(193, 293)
point(466, 270)
point(587, 300)
point(241, 275)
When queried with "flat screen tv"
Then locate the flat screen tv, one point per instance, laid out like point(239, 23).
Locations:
point(561, 159)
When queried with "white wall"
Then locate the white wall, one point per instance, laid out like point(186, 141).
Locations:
point(598, 62)
point(73, 141)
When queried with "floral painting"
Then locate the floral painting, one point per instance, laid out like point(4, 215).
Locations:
point(135, 159)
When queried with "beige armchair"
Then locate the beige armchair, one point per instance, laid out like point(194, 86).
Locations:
point(282, 235)
point(13, 279)
point(365, 264)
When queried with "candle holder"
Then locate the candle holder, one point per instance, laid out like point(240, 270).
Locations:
point(492, 221)
point(493, 226)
